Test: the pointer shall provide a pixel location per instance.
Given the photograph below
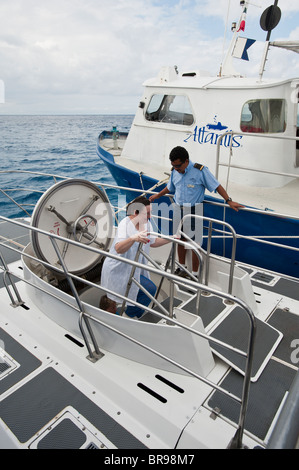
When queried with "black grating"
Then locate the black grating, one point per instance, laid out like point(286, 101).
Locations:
point(210, 307)
point(288, 324)
point(29, 408)
point(265, 397)
point(66, 435)
point(286, 287)
point(234, 330)
point(91, 445)
point(3, 367)
point(27, 362)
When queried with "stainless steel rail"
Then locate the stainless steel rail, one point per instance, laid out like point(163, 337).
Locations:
point(83, 316)
point(208, 252)
point(105, 186)
point(7, 274)
point(253, 135)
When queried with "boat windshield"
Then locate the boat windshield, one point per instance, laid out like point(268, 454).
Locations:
point(174, 109)
point(264, 116)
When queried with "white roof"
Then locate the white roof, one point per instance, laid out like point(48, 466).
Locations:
point(168, 79)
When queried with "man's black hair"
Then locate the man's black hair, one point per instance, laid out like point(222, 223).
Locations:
point(179, 153)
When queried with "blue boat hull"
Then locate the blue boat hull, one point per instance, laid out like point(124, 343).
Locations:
point(266, 256)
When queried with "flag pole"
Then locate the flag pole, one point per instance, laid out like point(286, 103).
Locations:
point(227, 68)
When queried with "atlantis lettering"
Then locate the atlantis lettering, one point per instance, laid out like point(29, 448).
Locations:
point(203, 135)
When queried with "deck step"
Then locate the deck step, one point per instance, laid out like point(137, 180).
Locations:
point(151, 318)
point(233, 329)
point(265, 398)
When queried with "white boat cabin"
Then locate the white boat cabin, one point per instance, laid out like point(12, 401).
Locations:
point(194, 111)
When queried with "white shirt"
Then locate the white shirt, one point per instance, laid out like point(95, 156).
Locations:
point(115, 273)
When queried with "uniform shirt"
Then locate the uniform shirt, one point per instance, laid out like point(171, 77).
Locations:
point(189, 187)
point(115, 273)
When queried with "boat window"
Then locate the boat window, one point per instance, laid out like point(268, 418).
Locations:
point(174, 109)
point(265, 116)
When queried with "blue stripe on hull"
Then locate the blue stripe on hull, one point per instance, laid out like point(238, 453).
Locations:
point(251, 224)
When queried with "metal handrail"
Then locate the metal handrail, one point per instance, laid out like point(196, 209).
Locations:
point(110, 186)
point(255, 211)
point(237, 440)
point(246, 237)
point(251, 134)
point(133, 263)
point(7, 274)
point(177, 279)
point(172, 255)
point(131, 190)
point(208, 252)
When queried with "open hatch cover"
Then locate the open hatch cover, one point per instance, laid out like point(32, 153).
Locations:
point(78, 210)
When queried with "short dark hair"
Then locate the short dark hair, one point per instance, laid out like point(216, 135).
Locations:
point(135, 205)
point(105, 302)
point(179, 153)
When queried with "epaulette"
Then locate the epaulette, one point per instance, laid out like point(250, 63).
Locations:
point(199, 166)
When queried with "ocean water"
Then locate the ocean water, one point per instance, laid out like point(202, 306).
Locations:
point(60, 145)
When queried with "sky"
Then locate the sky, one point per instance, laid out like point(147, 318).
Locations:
point(92, 56)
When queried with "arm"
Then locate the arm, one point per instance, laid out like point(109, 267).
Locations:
point(160, 194)
point(234, 205)
point(160, 242)
point(125, 245)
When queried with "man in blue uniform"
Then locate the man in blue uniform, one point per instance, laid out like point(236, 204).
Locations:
point(188, 182)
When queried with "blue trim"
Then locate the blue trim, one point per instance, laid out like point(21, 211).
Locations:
point(250, 252)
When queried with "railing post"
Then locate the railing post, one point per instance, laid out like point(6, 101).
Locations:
point(97, 354)
point(208, 252)
point(15, 202)
point(171, 290)
point(7, 273)
point(131, 278)
point(236, 442)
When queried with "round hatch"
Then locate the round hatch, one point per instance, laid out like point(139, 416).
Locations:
point(77, 210)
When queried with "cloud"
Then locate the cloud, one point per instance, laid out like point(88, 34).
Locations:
point(57, 55)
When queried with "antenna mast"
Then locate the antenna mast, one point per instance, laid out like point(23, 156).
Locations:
point(269, 20)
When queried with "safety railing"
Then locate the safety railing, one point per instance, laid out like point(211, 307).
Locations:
point(251, 135)
point(86, 319)
point(209, 243)
point(170, 265)
point(10, 284)
point(106, 186)
point(27, 190)
point(260, 239)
